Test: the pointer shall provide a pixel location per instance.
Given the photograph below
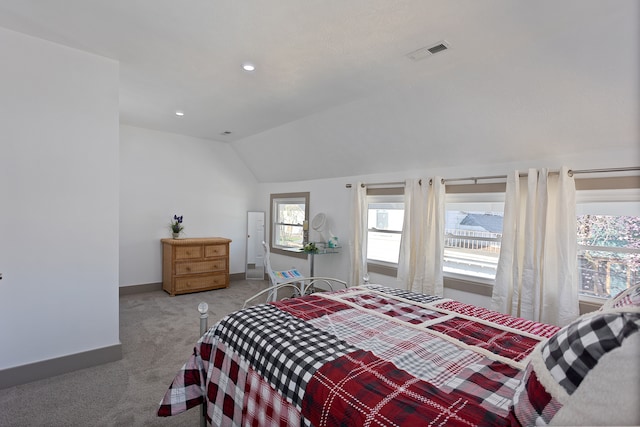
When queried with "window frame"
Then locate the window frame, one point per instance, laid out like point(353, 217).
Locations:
point(474, 193)
point(620, 190)
point(276, 198)
point(480, 286)
point(379, 195)
point(588, 190)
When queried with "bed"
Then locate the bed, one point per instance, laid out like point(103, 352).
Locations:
point(377, 356)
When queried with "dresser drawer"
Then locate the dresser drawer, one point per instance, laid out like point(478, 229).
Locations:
point(195, 267)
point(211, 251)
point(203, 282)
point(188, 252)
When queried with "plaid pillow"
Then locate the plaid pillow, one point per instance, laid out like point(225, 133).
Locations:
point(559, 366)
point(576, 349)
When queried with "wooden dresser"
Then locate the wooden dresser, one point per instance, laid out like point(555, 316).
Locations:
point(193, 265)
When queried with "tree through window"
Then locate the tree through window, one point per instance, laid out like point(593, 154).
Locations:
point(609, 254)
point(289, 212)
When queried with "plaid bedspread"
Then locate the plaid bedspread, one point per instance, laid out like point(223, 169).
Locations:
point(364, 356)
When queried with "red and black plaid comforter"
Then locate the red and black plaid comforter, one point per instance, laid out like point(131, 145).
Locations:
point(363, 356)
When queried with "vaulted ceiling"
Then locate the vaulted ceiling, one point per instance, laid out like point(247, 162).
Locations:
point(334, 92)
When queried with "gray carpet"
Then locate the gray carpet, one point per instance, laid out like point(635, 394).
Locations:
point(158, 333)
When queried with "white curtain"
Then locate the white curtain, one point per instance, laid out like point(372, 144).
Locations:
point(422, 243)
point(358, 240)
point(537, 271)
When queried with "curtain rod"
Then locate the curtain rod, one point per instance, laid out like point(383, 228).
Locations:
point(570, 172)
point(380, 184)
point(477, 178)
point(628, 169)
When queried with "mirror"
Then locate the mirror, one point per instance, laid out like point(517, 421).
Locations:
point(255, 252)
point(318, 222)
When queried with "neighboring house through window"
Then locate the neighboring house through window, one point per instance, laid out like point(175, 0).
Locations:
point(473, 233)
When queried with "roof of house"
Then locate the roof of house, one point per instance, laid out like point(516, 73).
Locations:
point(491, 223)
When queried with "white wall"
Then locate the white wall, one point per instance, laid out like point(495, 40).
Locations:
point(162, 174)
point(58, 201)
point(331, 197)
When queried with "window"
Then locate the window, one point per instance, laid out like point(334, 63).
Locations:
point(385, 219)
point(608, 236)
point(608, 230)
point(607, 227)
point(473, 232)
point(288, 217)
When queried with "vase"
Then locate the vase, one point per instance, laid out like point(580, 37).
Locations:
point(176, 235)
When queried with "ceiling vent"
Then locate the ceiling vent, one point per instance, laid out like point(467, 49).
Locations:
point(425, 52)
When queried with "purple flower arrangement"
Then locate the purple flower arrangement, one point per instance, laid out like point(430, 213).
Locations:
point(176, 224)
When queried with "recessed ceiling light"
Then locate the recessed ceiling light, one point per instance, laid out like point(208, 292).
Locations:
point(247, 66)
point(180, 113)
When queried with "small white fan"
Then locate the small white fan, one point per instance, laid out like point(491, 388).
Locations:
point(319, 224)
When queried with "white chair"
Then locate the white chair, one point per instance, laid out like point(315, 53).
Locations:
point(279, 276)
